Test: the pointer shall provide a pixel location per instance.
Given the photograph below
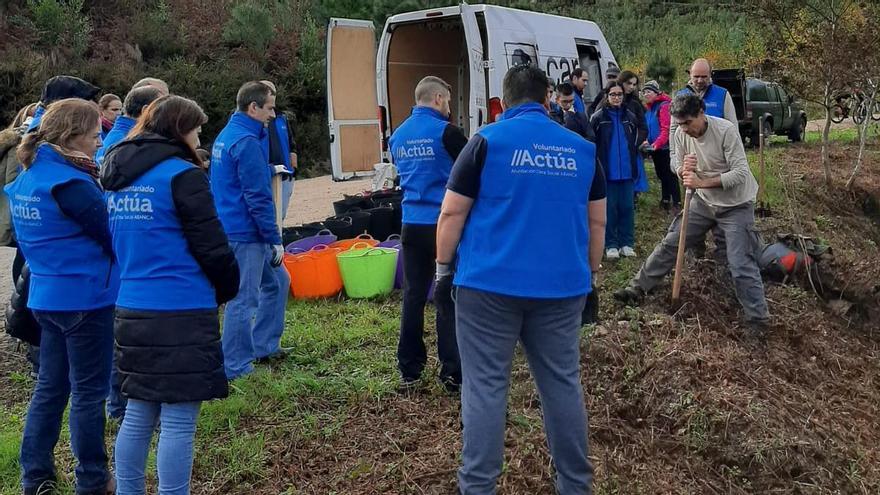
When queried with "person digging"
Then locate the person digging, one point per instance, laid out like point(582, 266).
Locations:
point(711, 162)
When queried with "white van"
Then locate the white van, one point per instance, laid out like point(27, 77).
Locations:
point(470, 46)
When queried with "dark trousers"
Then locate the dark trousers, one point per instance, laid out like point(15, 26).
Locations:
point(669, 190)
point(419, 251)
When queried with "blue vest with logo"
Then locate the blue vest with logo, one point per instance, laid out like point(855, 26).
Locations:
point(713, 99)
point(157, 270)
point(69, 270)
point(527, 234)
point(121, 128)
point(579, 103)
point(422, 163)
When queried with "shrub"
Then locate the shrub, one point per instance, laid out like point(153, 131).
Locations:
point(59, 23)
point(250, 26)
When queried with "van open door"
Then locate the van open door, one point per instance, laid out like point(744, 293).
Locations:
point(355, 144)
point(478, 105)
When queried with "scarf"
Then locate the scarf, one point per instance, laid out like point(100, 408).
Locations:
point(78, 160)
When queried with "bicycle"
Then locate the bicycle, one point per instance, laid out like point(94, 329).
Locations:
point(859, 108)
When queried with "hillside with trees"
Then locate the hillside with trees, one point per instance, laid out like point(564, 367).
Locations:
point(205, 49)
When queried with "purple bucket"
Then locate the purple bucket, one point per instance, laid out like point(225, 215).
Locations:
point(305, 244)
point(393, 242)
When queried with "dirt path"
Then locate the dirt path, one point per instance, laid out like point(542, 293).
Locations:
point(313, 198)
point(818, 125)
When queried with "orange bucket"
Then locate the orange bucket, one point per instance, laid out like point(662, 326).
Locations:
point(314, 274)
point(346, 244)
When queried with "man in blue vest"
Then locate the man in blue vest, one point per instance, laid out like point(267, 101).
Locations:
point(282, 153)
point(524, 217)
point(579, 80)
point(135, 102)
point(423, 149)
point(240, 180)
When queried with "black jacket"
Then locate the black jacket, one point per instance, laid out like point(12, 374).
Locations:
point(609, 158)
point(20, 322)
point(579, 123)
point(634, 105)
point(174, 356)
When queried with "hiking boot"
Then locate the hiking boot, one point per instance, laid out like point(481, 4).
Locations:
point(627, 251)
point(630, 296)
point(665, 204)
point(612, 254)
point(452, 386)
point(278, 355)
point(755, 333)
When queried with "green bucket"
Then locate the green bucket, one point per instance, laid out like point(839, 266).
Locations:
point(367, 272)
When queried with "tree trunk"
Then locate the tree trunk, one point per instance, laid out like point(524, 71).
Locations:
point(826, 160)
point(863, 138)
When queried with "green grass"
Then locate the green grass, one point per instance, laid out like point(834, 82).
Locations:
point(344, 357)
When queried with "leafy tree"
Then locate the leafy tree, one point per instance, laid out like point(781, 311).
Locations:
point(817, 44)
point(660, 69)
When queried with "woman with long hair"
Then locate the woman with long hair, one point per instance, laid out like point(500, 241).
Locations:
point(176, 269)
point(616, 149)
point(60, 221)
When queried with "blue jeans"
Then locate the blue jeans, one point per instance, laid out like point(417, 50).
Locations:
point(254, 321)
point(174, 458)
point(620, 230)
point(116, 402)
point(488, 328)
point(75, 360)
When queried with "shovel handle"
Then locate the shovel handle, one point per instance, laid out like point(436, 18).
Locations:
point(682, 236)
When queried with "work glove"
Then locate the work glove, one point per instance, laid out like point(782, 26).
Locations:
point(277, 254)
point(591, 308)
point(282, 171)
point(443, 276)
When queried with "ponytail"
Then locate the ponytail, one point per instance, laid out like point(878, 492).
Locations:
point(27, 149)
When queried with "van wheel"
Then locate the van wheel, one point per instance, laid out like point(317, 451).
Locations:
point(798, 132)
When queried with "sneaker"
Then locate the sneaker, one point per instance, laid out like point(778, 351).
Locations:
point(630, 296)
point(628, 251)
point(47, 487)
point(408, 384)
point(612, 254)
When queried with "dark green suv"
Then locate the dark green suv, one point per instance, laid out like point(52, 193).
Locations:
point(754, 97)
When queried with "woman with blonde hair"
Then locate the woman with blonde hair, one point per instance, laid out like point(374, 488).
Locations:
point(111, 108)
point(176, 269)
point(60, 221)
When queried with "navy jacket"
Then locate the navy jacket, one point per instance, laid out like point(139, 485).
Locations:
point(616, 142)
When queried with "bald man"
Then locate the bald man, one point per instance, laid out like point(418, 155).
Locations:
point(152, 81)
point(717, 99)
point(424, 148)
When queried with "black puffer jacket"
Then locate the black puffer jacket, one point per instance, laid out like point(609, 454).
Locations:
point(20, 322)
point(174, 356)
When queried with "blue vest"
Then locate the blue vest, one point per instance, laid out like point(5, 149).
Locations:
point(652, 118)
point(422, 163)
point(38, 116)
point(579, 103)
point(619, 158)
point(121, 128)
point(69, 270)
point(526, 235)
point(158, 273)
point(713, 99)
point(279, 127)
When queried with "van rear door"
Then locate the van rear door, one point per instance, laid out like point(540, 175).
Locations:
point(355, 144)
point(478, 95)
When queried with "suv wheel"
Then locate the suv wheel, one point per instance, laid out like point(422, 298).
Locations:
point(798, 132)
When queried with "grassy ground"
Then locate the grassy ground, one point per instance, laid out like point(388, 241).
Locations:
point(329, 415)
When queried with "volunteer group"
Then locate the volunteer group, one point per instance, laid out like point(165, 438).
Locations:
point(130, 241)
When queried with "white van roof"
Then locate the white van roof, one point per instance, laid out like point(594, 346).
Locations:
point(526, 17)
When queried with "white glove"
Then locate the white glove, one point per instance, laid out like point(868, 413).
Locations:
point(281, 170)
point(277, 254)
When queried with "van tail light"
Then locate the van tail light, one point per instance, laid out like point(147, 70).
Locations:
point(383, 127)
point(494, 109)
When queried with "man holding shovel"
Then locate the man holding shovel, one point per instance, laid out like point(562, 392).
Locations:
point(710, 159)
